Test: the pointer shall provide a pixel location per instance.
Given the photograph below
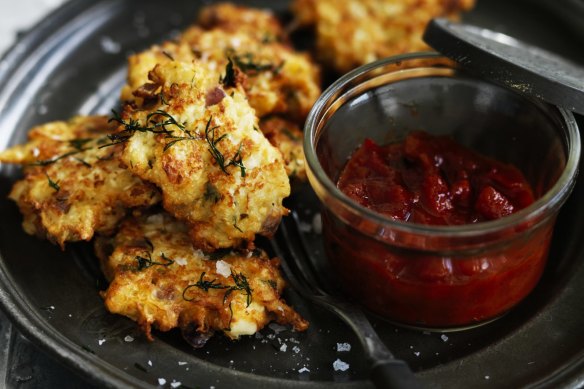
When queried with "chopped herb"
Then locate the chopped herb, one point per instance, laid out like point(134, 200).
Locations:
point(212, 141)
point(211, 193)
point(240, 284)
point(53, 184)
point(46, 162)
point(145, 263)
point(230, 318)
point(167, 54)
point(235, 224)
point(79, 143)
point(256, 129)
point(229, 79)
point(204, 285)
point(237, 160)
point(83, 162)
point(272, 284)
point(248, 64)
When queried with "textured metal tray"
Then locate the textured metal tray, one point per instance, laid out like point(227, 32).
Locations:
point(73, 63)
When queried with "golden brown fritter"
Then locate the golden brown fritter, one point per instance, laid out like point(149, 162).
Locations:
point(286, 136)
point(159, 280)
point(276, 79)
point(198, 141)
point(260, 24)
point(350, 33)
point(72, 188)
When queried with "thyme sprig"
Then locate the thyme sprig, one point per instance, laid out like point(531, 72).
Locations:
point(53, 184)
point(240, 281)
point(237, 159)
point(153, 126)
point(228, 80)
point(145, 263)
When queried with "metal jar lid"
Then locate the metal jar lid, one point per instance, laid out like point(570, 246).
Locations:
point(505, 60)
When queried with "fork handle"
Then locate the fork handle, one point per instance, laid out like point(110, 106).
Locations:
point(394, 374)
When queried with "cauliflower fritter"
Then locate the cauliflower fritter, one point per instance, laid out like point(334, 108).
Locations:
point(159, 280)
point(199, 142)
point(260, 24)
point(286, 136)
point(276, 79)
point(355, 32)
point(72, 188)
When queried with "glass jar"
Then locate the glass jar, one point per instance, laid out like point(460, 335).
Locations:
point(438, 277)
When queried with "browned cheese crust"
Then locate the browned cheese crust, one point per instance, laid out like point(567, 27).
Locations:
point(350, 33)
point(159, 280)
point(72, 188)
point(198, 140)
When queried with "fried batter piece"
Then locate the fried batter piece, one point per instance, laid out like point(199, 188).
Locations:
point(198, 141)
point(260, 24)
point(355, 32)
point(276, 79)
point(159, 280)
point(72, 188)
point(286, 136)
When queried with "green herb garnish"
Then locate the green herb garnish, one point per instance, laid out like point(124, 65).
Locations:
point(53, 184)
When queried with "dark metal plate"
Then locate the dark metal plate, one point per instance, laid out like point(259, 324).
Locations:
point(73, 62)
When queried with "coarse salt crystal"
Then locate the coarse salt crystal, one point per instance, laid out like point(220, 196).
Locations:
point(180, 261)
point(128, 339)
point(181, 363)
point(296, 349)
point(223, 268)
point(277, 328)
point(161, 381)
point(444, 337)
point(304, 370)
point(417, 353)
point(487, 377)
point(340, 365)
point(149, 362)
point(343, 347)
point(284, 347)
point(175, 384)
point(101, 341)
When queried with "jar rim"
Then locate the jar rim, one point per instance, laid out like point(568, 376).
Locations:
point(544, 206)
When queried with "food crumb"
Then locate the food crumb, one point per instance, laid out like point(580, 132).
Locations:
point(161, 381)
point(444, 338)
point(101, 341)
point(343, 347)
point(304, 370)
point(340, 365)
point(128, 339)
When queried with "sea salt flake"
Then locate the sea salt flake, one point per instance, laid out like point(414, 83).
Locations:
point(180, 261)
point(175, 384)
point(161, 381)
point(444, 337)
point(128, 339)
point(340, 365)
point(487, 377)
point(101, 341)
point(284, 347)
point(417, 353)
point(223, 268)
point(181, 363)
point(343, 347)
point(304, 370)
point(296, 349)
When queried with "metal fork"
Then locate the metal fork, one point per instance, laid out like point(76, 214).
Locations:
point(290, 245)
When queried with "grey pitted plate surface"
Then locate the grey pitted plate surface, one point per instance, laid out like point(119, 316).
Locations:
point(503, 59)
point(74, 62)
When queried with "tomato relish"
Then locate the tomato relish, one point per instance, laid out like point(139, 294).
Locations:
point(432, 180)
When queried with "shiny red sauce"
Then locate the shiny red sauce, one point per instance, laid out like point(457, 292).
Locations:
point(434, 181)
